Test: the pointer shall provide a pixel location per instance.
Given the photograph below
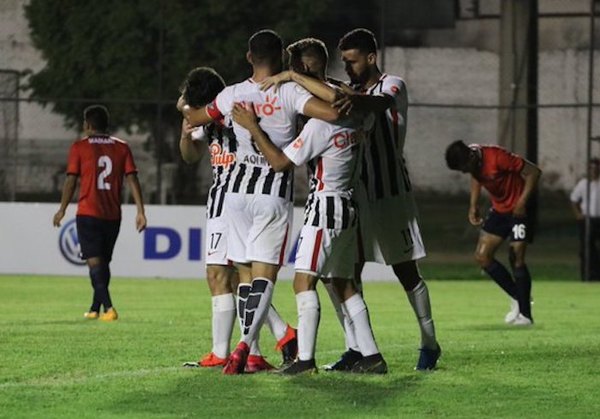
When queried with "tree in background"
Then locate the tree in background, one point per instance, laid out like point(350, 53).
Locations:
point(132, 55)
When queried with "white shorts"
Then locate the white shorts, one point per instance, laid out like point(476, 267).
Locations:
point(216, 241)
point(259, 228)
point(327, 253)
point(389, 229)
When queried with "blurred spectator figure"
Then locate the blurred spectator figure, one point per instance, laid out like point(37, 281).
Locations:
point(580, 208)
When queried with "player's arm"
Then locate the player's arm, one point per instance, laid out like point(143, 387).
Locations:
point(67, 194)
point(531, 173)
point(315, 86)
point(136, 193)
point(191, 151)
point(317, 108)
point(365, 103)
point(474, 215)
point(576, 206)
point(195, 116)
point(247, 119)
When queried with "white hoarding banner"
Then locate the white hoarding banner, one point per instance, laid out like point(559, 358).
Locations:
point(172, 246)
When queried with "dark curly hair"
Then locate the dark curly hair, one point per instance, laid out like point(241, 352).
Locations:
point(201, 86)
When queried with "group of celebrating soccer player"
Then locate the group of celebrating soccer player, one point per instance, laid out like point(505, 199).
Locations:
point(360, 207)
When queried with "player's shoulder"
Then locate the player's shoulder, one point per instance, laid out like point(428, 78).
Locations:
point(292, 89)
point(318, 125)
point(118, 140)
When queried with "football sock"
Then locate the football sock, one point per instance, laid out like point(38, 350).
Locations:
point(242, 298)
point(257, 306)
point(309, 314)
point(502, 277)
point(523, 281)
point(276, 324)
point(100, 275)
point(223, 319)
point(345, 321)
point(419, 300)
point(356, 309)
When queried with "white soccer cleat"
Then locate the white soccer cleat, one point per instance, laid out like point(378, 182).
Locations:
point(513, 313)
point(521, 320)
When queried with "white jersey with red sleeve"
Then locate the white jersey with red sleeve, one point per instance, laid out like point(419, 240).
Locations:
point(331, 154)
point(277, 110)
point(384, 171)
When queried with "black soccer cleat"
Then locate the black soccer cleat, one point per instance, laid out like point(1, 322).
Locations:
point(346, 361)
point(299, 367)
point(372, 364)
point(428, 358)
point(288, 346)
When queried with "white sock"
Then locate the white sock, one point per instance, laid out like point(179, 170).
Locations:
point(276, 324)
point(257, 306)
point(356, 309)
point(345, 321)
point(419, 300)
point(309, 314)
point(223, 318)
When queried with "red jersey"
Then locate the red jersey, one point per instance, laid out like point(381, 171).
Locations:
point(500, 175)
point(101, 162)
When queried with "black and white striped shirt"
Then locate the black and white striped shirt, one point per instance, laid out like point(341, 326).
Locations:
point(331, 154)
point(384, 171)
point(277, 111)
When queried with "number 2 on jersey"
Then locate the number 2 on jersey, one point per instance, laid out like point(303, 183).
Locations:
point(106, 163)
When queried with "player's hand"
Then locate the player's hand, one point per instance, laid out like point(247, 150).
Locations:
point(57, 218)
point(345, 103)
point(520, 211)
point(275, 80)
point(186, 129)
point(474, 217)
point(140, 222)
point(243, 114)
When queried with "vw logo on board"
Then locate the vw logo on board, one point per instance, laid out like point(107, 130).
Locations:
point(68, 243)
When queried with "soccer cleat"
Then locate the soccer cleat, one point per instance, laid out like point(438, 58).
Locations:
point(513, 313)
point(207, 361)
point(428, 358)
point(372, 364)
point(257, 363)
point(110, 315)
point(91, 315)
point(299, 367)
point(346, 361)
point(236, 363)
point(522, 320)
point(288, 345)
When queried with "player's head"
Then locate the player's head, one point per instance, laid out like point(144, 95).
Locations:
point(265, 48)
point(309, 56)
point(359, 54)
point(201, 86)
point(461, 157)
point(96, 119)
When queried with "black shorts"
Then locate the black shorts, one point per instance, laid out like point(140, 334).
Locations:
point(507, 226)
point(97, 237)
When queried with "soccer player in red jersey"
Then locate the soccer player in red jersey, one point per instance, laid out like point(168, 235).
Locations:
point(510, 180)
point(101, 162)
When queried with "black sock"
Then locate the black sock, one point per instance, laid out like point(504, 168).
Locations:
point(100, 275)
point(502, 277)
point(523, 280)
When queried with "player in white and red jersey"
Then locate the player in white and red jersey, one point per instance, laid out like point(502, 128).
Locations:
point(385, 191)
point(327, 245)
point(199, 88)
point(259, 201)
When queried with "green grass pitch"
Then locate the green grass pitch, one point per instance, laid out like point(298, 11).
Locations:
point(53, 363)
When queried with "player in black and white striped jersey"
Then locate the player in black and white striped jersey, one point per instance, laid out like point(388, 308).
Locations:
point(259, 201)
point(328, 240)
point(199, 88)
point(385, 191)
